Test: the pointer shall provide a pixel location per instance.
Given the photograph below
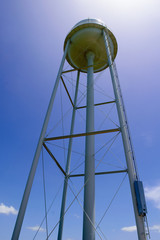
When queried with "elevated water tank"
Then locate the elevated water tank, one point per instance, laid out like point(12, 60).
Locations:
point(87, 36)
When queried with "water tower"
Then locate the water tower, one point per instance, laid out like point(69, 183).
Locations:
point(90, 47)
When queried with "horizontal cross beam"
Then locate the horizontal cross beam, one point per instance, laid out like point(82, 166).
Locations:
point(82, 134)
point(100, 173)
point(97, 104)
point(71, 70)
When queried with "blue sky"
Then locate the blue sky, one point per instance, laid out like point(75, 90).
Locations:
point(31, 46)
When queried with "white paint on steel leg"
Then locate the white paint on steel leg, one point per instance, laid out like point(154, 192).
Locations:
point(126, 140)
point(89, 189)
point(26, 194)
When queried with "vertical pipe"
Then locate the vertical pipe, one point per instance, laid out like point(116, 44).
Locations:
point(89, 189)
point(26, 194)
point(126, 139)
point(60, 230)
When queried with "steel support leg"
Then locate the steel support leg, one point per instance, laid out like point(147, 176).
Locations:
point(126, 138)
point(26, 194)
point(60, 231)
point(89, 189)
